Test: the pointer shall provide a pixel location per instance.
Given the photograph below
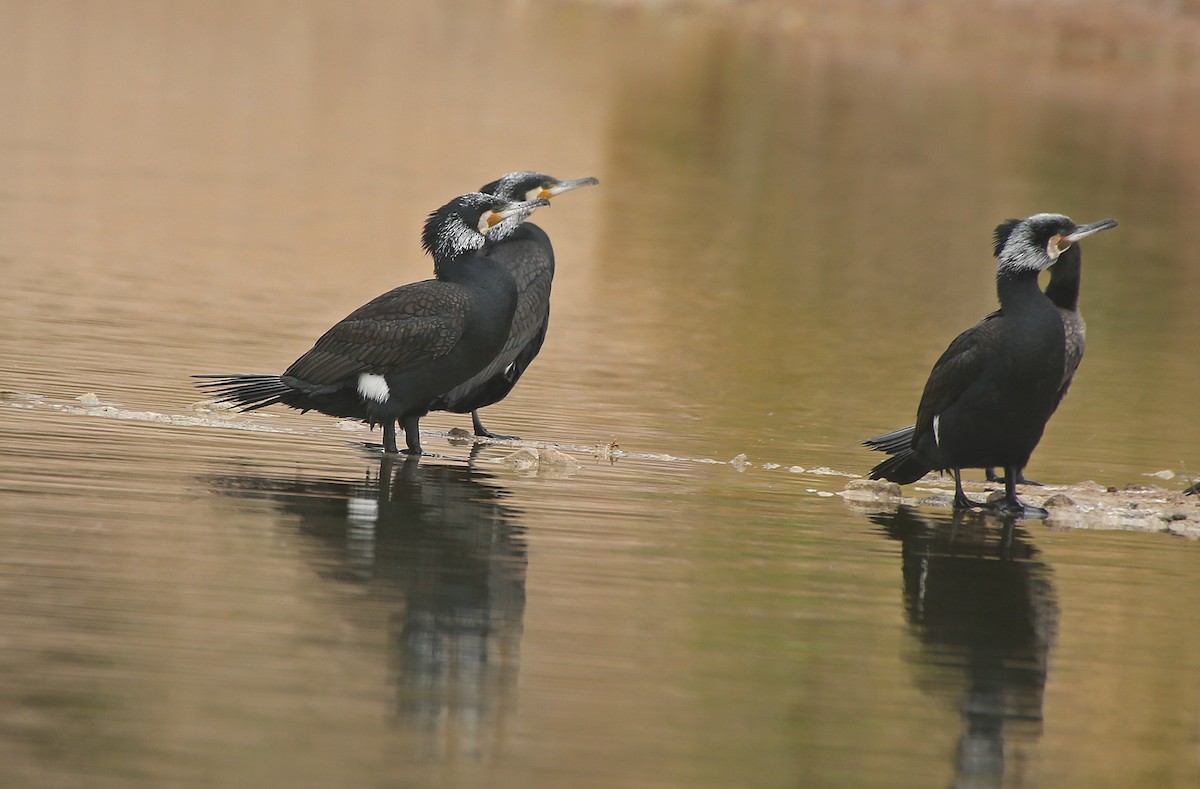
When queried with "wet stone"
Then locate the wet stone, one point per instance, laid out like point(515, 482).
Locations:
point(871, 490)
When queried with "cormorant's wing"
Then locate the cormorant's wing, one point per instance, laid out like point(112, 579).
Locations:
point(402, 329)
point(530, 261)
point(958, 367)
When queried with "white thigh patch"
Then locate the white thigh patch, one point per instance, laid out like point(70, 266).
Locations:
point(937, 427)
point(373, 387)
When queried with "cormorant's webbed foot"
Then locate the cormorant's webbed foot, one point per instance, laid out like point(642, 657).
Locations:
point(1010, 504)
point(412, 437)
point(961, 502)
point(483, 432)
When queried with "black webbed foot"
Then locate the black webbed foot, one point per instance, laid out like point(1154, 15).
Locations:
point(963, 503)
point(483, 432)
point(1010, 504)
point(1016, 508)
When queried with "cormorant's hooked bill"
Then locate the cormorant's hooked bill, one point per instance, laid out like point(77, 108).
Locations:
point(530, 185)
point(557, 188)
point(1061, 243)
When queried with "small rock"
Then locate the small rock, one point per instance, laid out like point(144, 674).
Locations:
point(740, 462)
point(524, 459)
point(89, 399)
point(548, 462)
point(871, 490)
point(1058, 500)
point(553, 459)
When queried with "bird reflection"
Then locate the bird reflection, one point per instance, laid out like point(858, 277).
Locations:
point(439, 544)
point(983, 607)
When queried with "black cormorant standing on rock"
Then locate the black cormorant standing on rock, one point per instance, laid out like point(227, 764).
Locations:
point(387, 361)
point(990, 394)
point(1063, 290)
point(528, 256)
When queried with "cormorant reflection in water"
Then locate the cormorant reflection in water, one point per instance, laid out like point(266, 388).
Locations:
point(980, 603)
point(441, 543)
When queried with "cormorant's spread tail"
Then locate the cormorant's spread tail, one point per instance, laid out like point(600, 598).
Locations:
point(894, 442)
point(250, 392)
point(902, 468)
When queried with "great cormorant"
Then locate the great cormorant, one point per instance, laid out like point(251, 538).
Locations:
point(1063, 290)
point(386, 361)
point(528, 256)
point(990, 394)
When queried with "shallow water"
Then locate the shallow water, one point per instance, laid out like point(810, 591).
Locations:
point(792, 223)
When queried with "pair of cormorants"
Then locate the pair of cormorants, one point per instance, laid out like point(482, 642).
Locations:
point(991, 393)
point(458, 342)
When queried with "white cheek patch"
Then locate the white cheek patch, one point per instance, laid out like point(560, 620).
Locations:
point(373, 387)
point(937, 428)
point(1052, 248)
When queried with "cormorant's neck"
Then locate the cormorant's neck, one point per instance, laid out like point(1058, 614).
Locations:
point(1065, 276)
point(527, 230)
point(460, 268)
point(1018, 288)
point(450, 267)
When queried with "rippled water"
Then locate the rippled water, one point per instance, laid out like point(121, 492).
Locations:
point(793, 221)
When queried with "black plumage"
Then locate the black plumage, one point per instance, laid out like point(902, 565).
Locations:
point(990, 394)
point(386, 361)
point(528, 256)
point(1063, 291)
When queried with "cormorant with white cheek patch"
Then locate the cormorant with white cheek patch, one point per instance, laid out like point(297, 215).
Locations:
point(386, 361)
point(1063, 290)
point(528, 256)
point(990, 394)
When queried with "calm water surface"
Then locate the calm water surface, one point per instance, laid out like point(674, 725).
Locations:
point(792, 223)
